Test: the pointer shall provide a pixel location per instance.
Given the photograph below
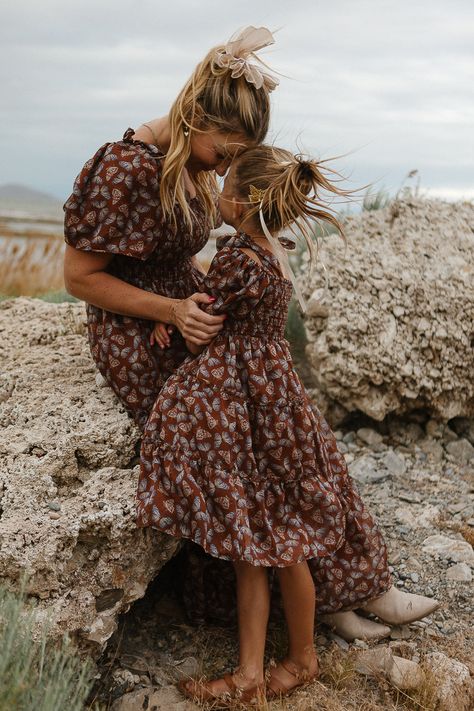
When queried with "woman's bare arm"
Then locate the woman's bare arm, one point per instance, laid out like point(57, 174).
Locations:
point(85, 278)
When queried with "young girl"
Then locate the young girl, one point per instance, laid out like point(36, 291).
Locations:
point(236, 458)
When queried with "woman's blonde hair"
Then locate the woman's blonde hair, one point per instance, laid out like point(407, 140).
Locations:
point(211, 99)
point(287, 189)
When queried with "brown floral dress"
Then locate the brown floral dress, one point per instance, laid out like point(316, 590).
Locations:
point(237, 459)
point(115, 208)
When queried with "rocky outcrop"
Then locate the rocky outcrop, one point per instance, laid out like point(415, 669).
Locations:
point(395, 333)
point(68, 478)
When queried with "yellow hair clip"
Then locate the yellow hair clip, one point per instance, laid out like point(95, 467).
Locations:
point(256, 194)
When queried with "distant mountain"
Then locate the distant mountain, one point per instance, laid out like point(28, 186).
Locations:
point(23, 194)
point(19, 201)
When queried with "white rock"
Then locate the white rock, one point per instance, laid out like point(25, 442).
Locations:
point(395, 464)
point(402, 673)
point(100, 381)
point(167, 698)
point(377, 660)
point(460, 573)
point(449, 549)
point(369, 436)
point(417, 516)
point(455, 689)
point(366, 470)
point(462, 450)
point(405, 674)
point(432, 448)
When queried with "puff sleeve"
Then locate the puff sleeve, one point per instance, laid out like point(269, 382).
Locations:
point(115, 205)
point(236, 281)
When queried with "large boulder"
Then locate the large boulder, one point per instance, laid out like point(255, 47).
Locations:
point(396, 332)
point(68, 476)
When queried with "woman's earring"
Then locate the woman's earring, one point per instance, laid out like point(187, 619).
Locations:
point(186, 131)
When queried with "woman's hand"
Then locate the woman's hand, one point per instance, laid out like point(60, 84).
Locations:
point(161, 334)
point(195, 325)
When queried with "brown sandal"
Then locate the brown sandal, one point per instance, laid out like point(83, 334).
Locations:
point(276, 688)
point(200, 692)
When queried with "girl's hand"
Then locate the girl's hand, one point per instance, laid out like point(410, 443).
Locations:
point(193, 348)
point(195, 325)
point(161, 334)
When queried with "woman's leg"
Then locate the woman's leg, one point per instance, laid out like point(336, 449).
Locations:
point(299, 604)
point(400, 608)
point(351, 626)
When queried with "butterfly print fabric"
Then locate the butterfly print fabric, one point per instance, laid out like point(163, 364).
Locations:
point(237, 459)
point(115, 209)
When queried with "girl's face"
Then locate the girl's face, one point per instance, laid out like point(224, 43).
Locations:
point(214, 150)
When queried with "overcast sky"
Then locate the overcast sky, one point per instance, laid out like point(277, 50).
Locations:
point(388, 82)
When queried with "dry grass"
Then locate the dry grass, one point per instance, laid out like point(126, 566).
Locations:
point(30, 267)
point(340, 687)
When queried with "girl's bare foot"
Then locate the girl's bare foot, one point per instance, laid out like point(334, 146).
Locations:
point(239, 685)
point(285, 676)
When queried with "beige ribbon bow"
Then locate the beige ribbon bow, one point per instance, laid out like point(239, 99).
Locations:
point(235, 57)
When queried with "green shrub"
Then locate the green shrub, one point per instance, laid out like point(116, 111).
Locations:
point(58, 297)
point(295, 331)
point(37, 675)
point(376, 201)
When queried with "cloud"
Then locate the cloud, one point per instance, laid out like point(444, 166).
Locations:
point(387, 83)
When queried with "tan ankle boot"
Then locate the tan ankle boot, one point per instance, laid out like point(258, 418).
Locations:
point(400, 608)
point(350, 626)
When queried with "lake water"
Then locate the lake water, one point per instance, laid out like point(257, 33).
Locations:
point(31, 242)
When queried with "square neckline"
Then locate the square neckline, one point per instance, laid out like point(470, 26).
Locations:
point(270, 256)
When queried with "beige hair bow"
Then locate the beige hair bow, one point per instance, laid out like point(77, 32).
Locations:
point(235, 57)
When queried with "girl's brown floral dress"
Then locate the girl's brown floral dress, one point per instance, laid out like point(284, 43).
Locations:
point(115, 208)
point(237, 459)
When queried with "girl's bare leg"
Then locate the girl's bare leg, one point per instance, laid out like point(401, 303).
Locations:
point(299, 603)
point(253, 607)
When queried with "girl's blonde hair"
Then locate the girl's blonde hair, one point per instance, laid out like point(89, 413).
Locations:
point(211, 99)
point(287, 189)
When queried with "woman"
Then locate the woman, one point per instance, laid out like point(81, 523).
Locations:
point(142, 208)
